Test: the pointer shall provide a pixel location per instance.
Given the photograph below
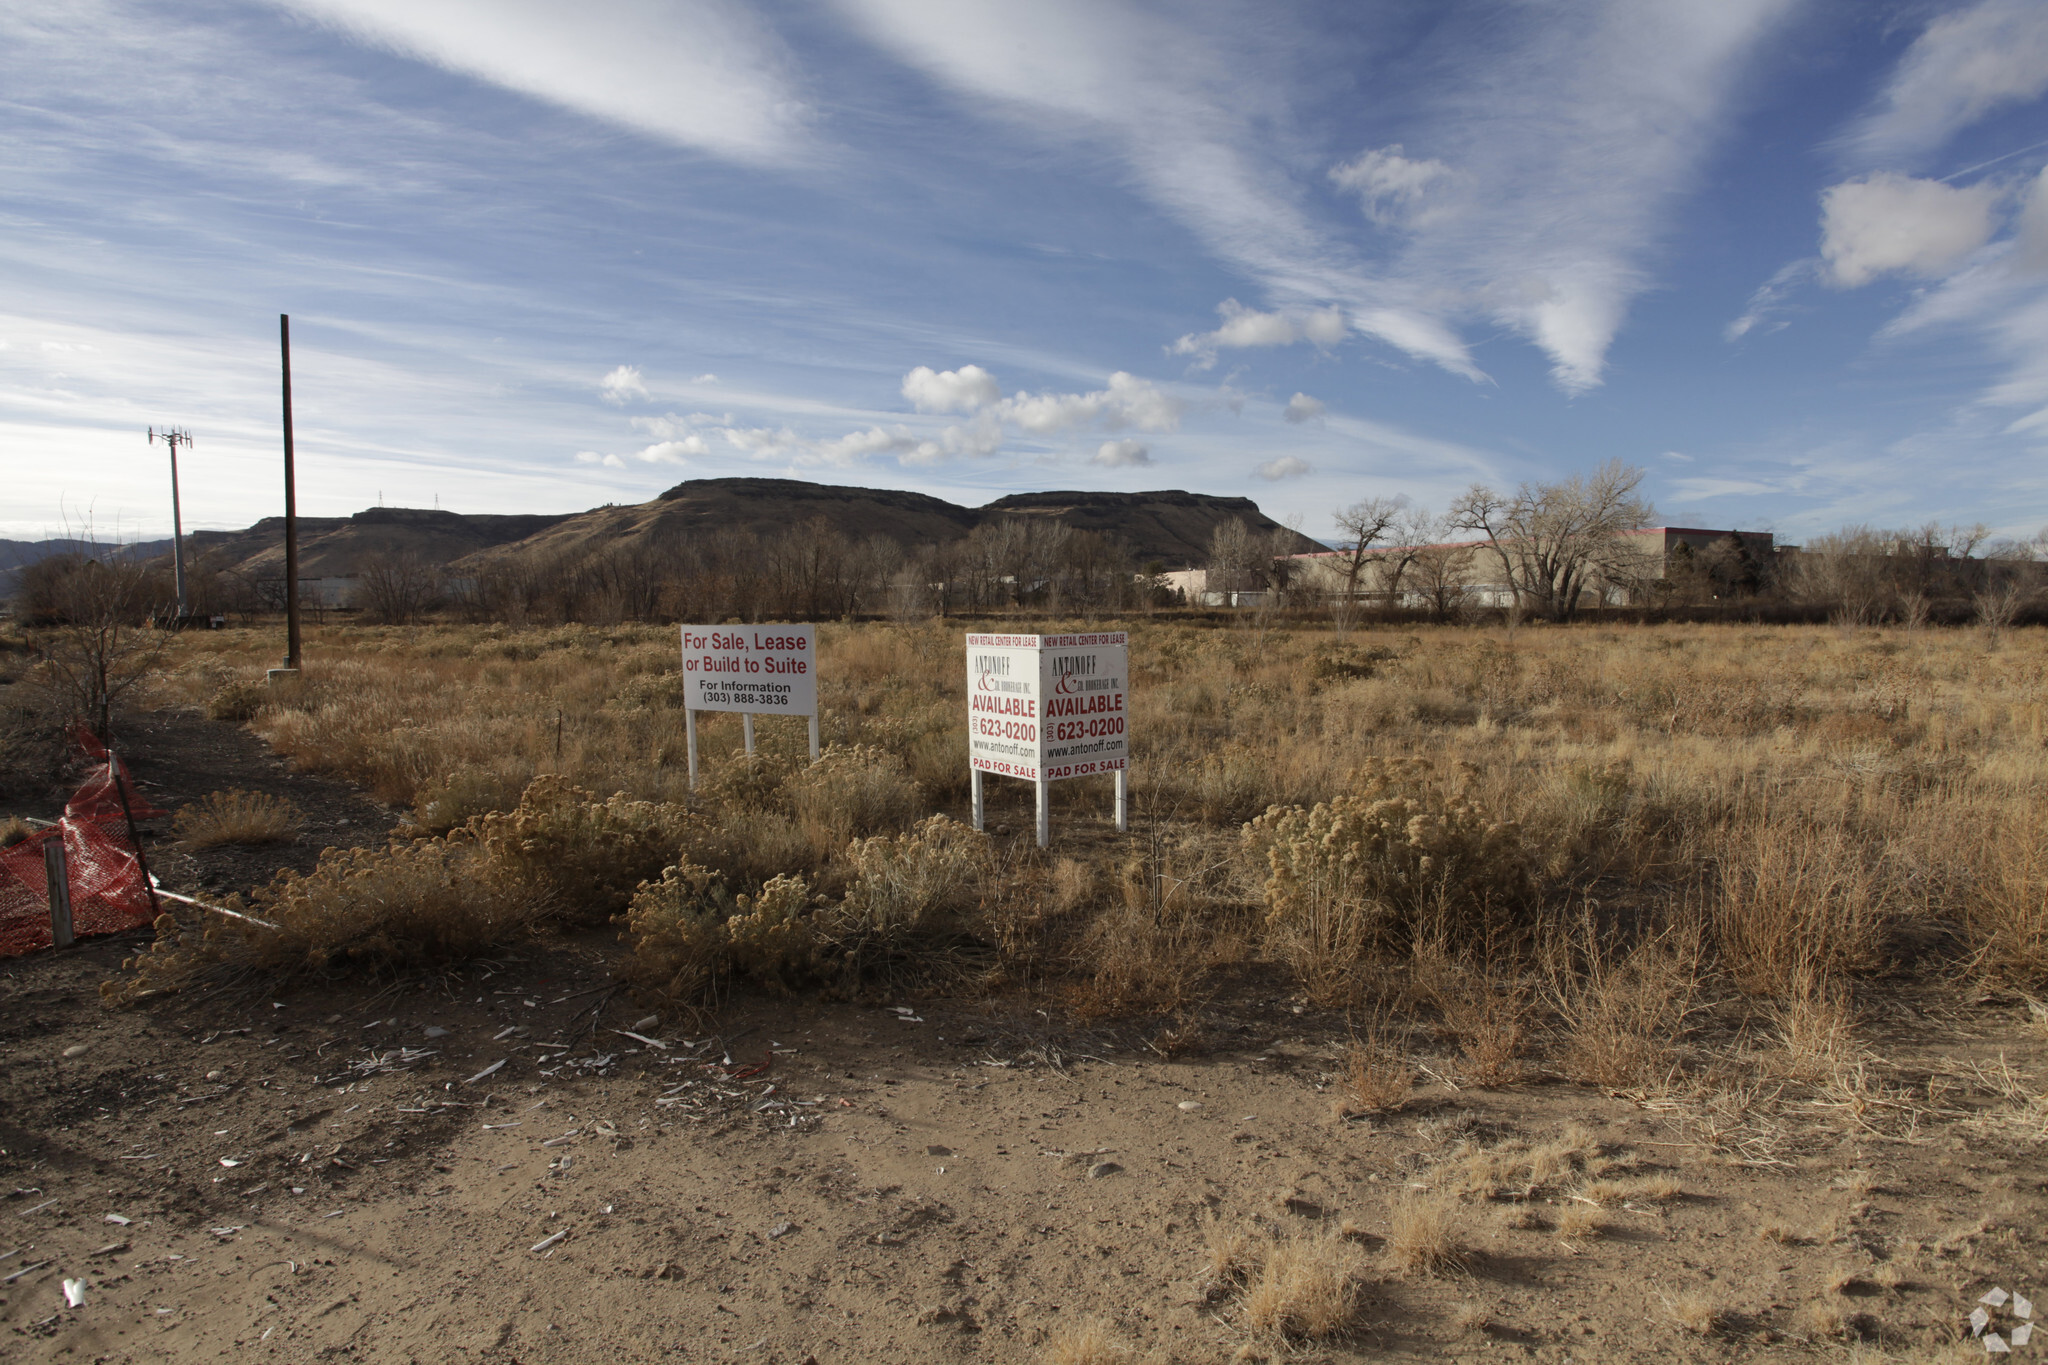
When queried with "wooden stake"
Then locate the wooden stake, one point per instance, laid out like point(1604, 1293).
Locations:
point(57, 877)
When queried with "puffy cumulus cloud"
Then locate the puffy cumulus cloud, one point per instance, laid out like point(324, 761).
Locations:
point(592, 457)
point(963, 390)
point(1128, 402)
point(1122, 454)
point(1244, 328)
point(1285, 467)
point(1391, 187)
point(674, 452)
point(623, 383)
point(1302, 408)
point(1966, 64)
point(1888, 223)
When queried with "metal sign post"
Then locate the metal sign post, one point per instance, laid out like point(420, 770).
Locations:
point(754, 670)
point(1045, 708)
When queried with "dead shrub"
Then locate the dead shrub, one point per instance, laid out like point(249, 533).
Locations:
point(238, 700)
point(238, 817)
point(457, 797)
point(411, 904)
point(851, 792)
point(1696, 1312)
point(1358, 872)
point(1306, 1287)
point(1422, 1236)
point(922, 882)
point(2006, 912)
point(909, 895)
point(1092, 1343)
point(1622, 1010)
point(1580, 1223)
point(1796, 900)
point(690, 936)
point(590, 854)
point(1377, 1079)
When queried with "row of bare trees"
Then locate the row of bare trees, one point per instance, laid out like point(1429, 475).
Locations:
point(808, 572)
point(1550, 549)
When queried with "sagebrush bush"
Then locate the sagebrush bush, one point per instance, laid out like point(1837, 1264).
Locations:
point(690, 936)
point(589, 854)
point(412, 904)
point(238, 700)
point(852, 791)
point(1359, 873)
point(926, 880)
point(237, 817)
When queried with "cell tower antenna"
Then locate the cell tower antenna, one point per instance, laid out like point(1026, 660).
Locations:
point(175, 437)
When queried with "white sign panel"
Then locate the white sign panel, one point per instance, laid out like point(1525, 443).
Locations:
point(1049, 707)
point(761, 670)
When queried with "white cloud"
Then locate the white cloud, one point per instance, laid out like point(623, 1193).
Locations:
point(1302, 408)
point(1888, 223)
point(1768, 302)
point(621, 384)
point(674, 452)
point(1965, 65)
point(963, 390)
point(589, 457)
point(1285, 467)
point(1128, 401)
point(1576, 131)
point(1390, 187)
point(705, 379)
point(703, 73)
point(1122, 454)
point(1245, 328)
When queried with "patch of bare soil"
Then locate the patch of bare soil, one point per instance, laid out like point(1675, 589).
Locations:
point(510, 1163)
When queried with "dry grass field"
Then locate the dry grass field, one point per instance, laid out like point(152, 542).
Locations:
point(1582, 993)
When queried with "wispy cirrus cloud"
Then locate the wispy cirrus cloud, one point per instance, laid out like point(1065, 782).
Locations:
point(701, 73)
point(1549, 152)
point(1964, 66)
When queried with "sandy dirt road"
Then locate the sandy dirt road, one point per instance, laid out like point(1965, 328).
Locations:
point(319, 1178)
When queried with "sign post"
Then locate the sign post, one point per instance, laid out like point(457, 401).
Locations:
point(1045, 708)
point(754, 670)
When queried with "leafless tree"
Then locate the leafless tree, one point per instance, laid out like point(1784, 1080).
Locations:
point(1553, 541)
point(1233, 558)
point(95, 639)
point(397, 589)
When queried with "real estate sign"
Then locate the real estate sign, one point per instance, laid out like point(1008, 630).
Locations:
point(755, 670)
point(1044, 708)
point(763, 670)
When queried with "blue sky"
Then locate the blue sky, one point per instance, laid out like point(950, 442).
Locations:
point(1791, 258)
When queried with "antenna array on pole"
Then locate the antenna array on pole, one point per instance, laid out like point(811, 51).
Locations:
point(175, 437)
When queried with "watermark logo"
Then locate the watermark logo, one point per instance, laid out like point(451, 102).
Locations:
point(1998, 1309)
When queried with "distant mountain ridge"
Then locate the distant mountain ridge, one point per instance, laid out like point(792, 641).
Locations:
point(1169, 526)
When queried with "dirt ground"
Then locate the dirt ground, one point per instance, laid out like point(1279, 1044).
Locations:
point(512, 1162)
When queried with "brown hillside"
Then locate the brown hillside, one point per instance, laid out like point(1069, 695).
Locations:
point(759, 506)
point(337, 546)
point(1169, 525)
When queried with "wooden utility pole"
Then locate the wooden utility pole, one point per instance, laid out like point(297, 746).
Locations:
point(291, 505)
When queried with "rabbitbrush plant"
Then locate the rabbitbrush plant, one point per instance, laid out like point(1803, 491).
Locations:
point(1360, 872)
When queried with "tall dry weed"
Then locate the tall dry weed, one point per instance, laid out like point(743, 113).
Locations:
point(1797, 900)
